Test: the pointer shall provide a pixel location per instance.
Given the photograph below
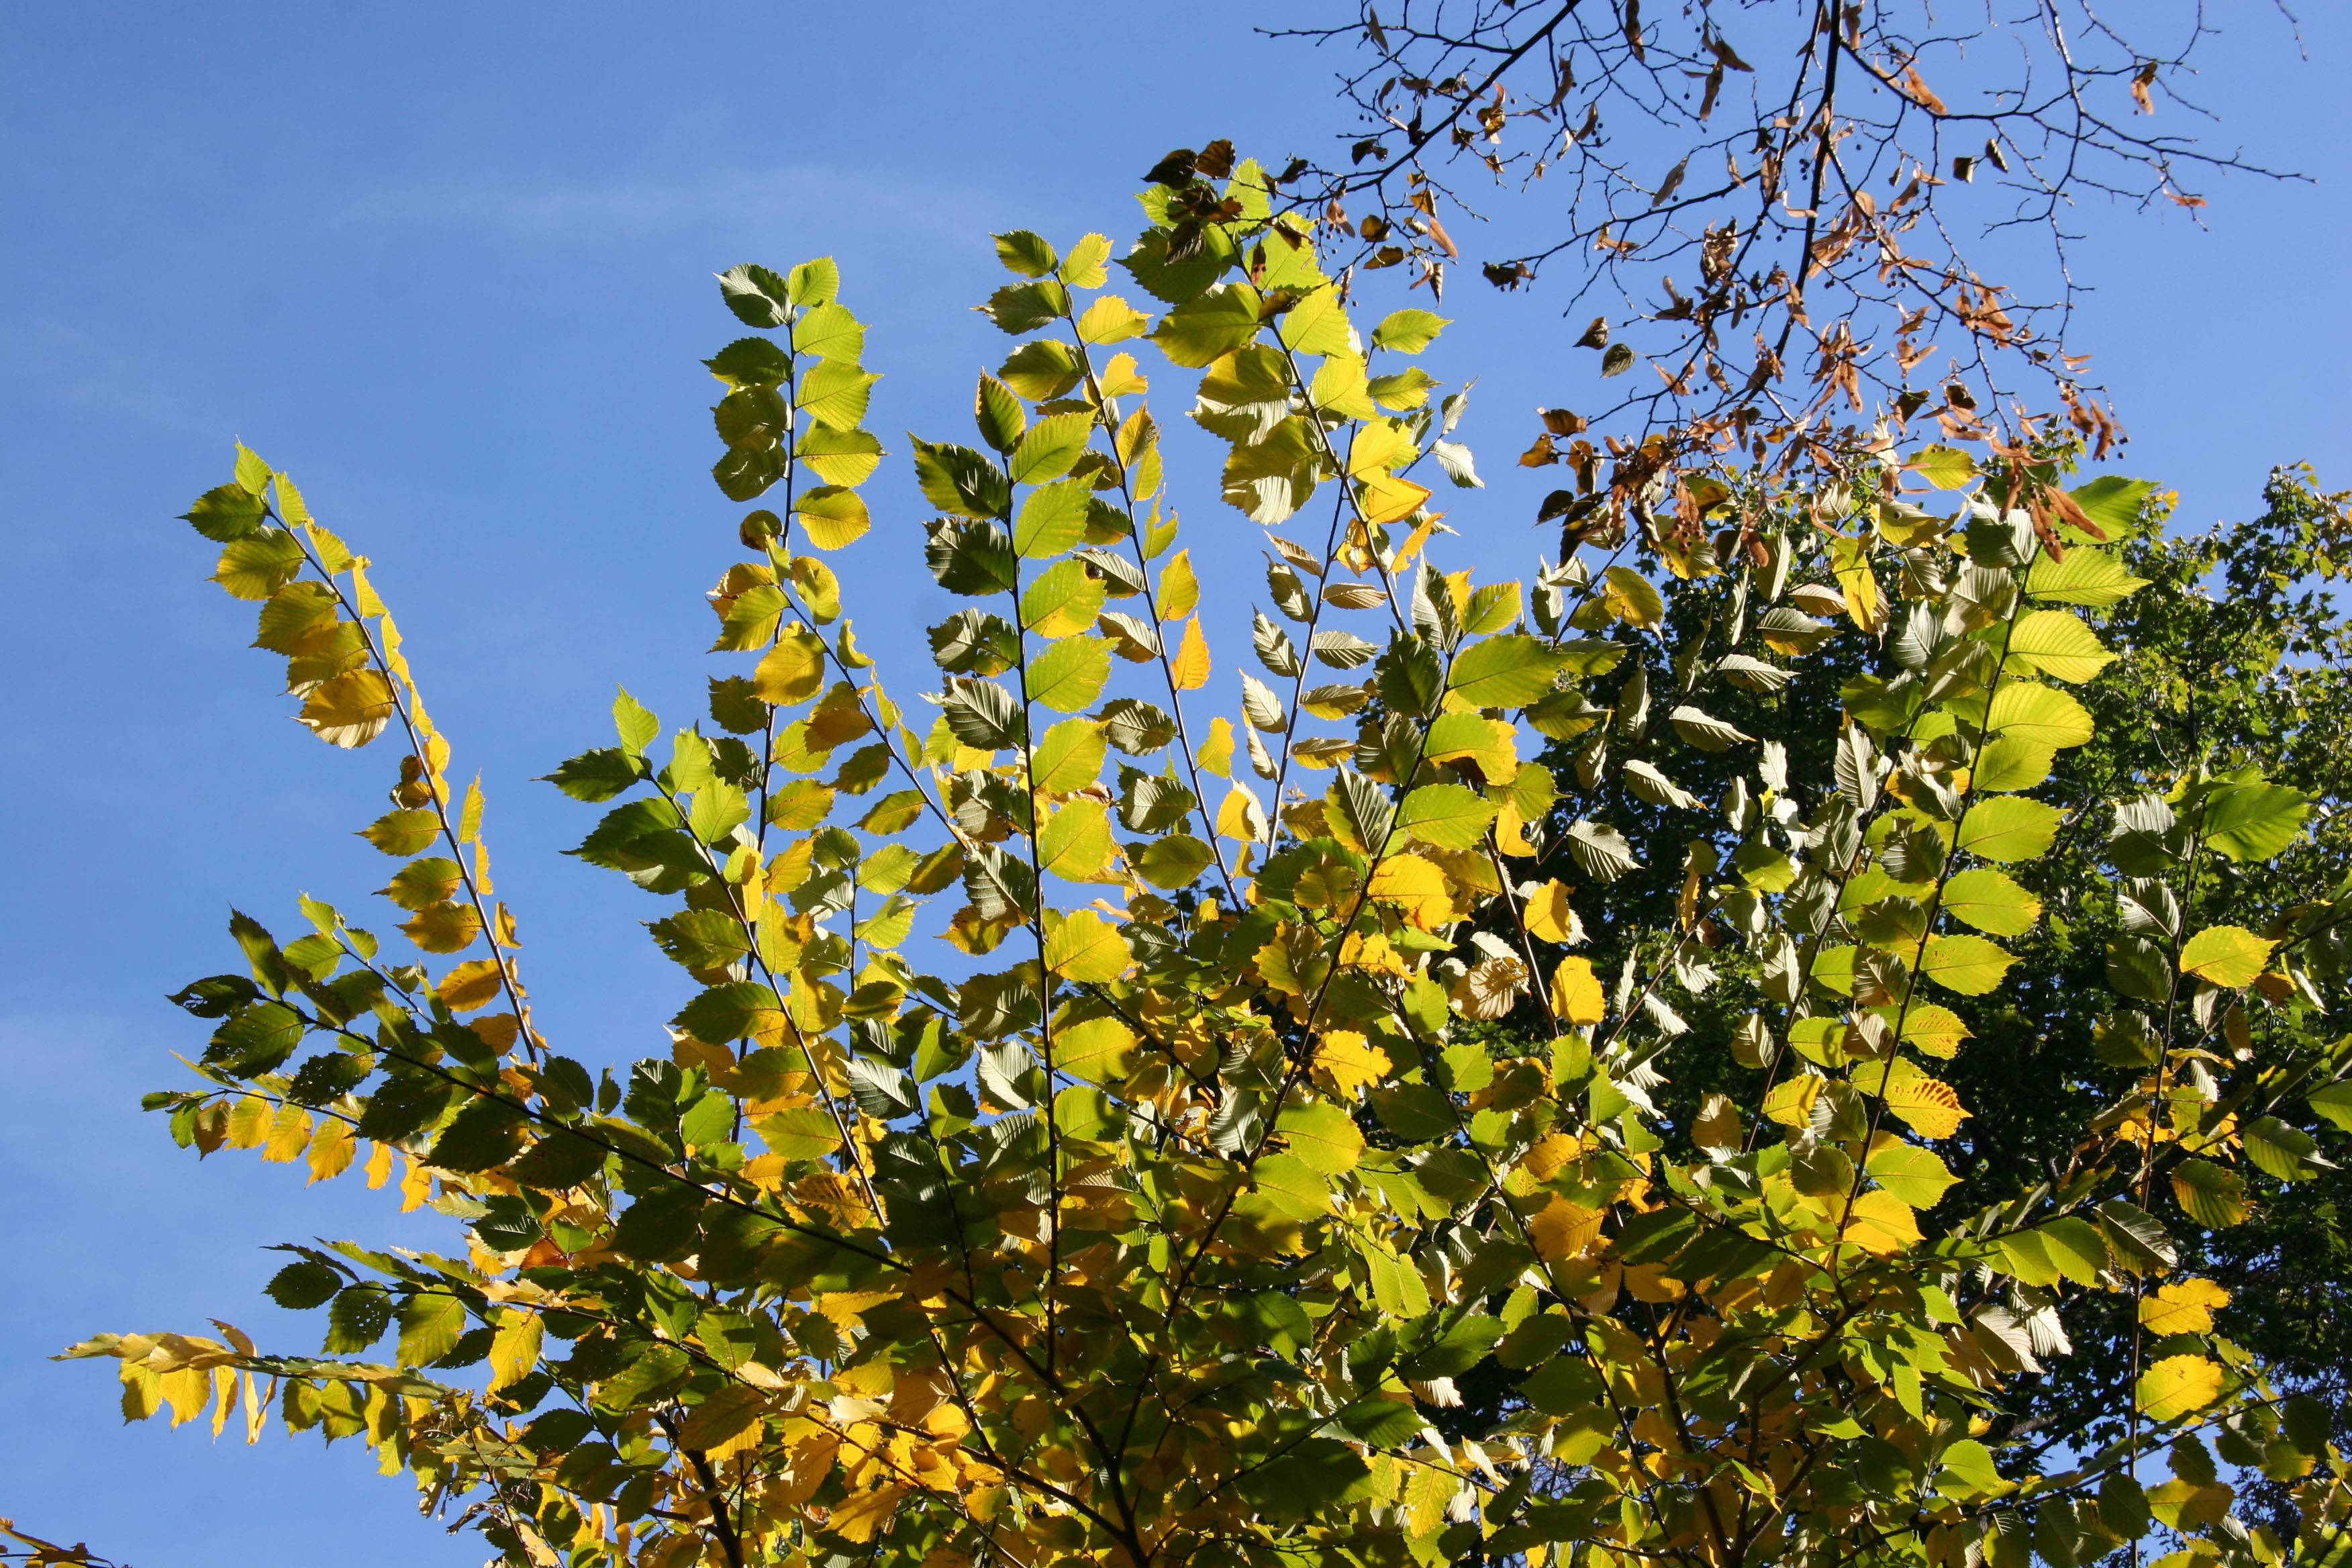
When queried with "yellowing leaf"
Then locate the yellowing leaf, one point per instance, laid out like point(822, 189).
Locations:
point(1967, 965)
point(1415, 889)
point(1932, 1030)
point(1345, 1064)
point(349, 710)
point(832, 517)
point(2060, 645)
point(514, 1347)
point(1577, 997)
point(1631, 597)
point(1561, 1230)
point(1882, 1223)
point(472, 984)
point(1491, 743)
point(1945, 467)
point(2226, 956)
point(1086, 948)
point(1929, 1107)
point(1190, 668)
point(2183, 1306)
point(792, 670)
point(1179, 590)
point(2178, 1386)
point(1096, 1050)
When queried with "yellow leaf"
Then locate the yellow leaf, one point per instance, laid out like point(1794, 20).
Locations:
point(1345, 1063)
point(1086, 948)
point(1551, 918)
point(472, 984)
point(289, 1134)
point(1881, 1222)
point(1383, 497)
point(1415, 888)
point(1179, 590)
point(1379, 448)
point(1575, 994)
point(862, 1517)
point(1217, 750)
point(1190, 668)
point(332, 1151)
point(1241, 817)
point(2177, 1385)
point(2183, 1306)
point(514, 1347)
point(1564, 1230)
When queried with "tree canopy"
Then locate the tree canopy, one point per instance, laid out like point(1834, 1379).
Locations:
point(1478, 1077)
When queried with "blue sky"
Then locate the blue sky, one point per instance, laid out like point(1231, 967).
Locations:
point(450, 266)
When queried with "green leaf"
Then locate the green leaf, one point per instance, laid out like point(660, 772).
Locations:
point(226, 513)
point(1450, 816)
point(1066, 598)
point(1991, 901)
point(2060, 645)
point(1178, 859)
point(2212, 1195)
point(1026, 255)
point(2287, 1152)
point(2075, 1247)
point(2114, 502)
point(1050, 449)
point(431, 1323)
point(1318, 324)
point(1070, 756)
point(1322, 1136)
point(1408, 332)
point(1508, 671)
point(2011, 763)
point(485, 1134)
point(2335, 1103)
point(997, 410)
point(2226, 956)
point(1024, 307)
point(1069, 675)
point(758, 296)
point(813, 282)
point(298, 1287)
point(801, 1133)
point(2008, 830)
point(2247, 819)
point(1041, 370)
point(1919, 1176)
point(2039, 713)
point(2087, 577)
point(961, 481)
point(1053, 519)
point(1967, 965)
point(1216, 322)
